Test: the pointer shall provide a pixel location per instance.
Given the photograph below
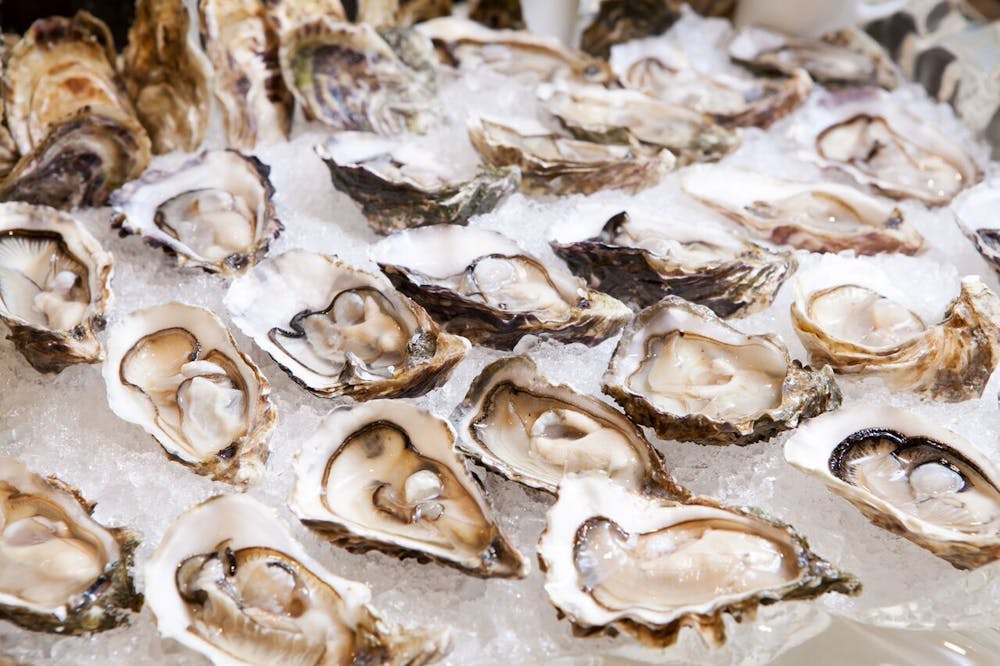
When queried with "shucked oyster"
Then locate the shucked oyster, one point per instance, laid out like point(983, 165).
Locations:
point(483, 286)
point(60, 571)
point(54, 286)
point(405, 184)
point(819, 217)
point(229, 581)
point(686, 373)
point(175, 371)
point(214, 211)
point(616, 559)
point(976, 213)
point(340, 331)
point(857, 329)
point(909, 475)
point(523, 427)
point(383, 475)
point(641, 259)
point(551, 163)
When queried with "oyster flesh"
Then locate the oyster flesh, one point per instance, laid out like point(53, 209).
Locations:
point(54, 286)
point(534, 432)
point(616, 559)
point(819, 217)
point(855, 328)
point(214, 211)
point(552, 163)
point(976, 213)
point(686, 373)
point(60, 570)
point(640, 259)
point(405, 184)
point(483, 286)
point(229, 581)
point(175, 370)
point(908, 475)
point(339, 331)
point(383, 474)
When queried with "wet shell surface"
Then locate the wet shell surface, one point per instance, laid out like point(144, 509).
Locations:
point(976, 213)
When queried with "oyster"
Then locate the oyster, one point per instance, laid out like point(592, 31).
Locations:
point(405, 184)
point(340, 331)
point(346, 76)
point(283, 15)
point(819, 217)
point(855, 328)
point(229, 581)
point(166, 76)
point(619, 116)
point(866, 135)
point(616, 559)
point(976, 213)
point(175, 370)
point(483, 286)
point(686, 373)
point(908, 475)
point(243, 48)
point(54, 286)
point(383, 475)
point(531, 431)
point(414, 11)
point(620, 21)
point(214, 211)
point(60, 571)
point(8, 149)
point(641, 259)
point(551, 163)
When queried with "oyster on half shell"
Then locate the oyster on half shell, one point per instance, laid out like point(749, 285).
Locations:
point(616, 559)
point(687, 374)
point(384, 475)
point(908, 475)
point(517, 423)
point(976, 213)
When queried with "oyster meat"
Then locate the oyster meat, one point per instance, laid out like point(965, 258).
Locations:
point(166, 76)
point(908, 475)
point(483, 286)
point(383, 474)
point(640, 259)
point(520, 425)
point(819, 217)
point(617, 559)
point(401, 184)
point(857, 326)
point(214, 211)
point(60, 570)
point(175, 370)
point(54, 286)
point(229, 581)
point(552, 163)
point(976, 213)
point(689, 375)
point(339, 331)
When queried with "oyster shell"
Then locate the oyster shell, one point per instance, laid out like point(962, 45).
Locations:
point(527, 429)
point(60, 570)
point(908, 475)
point(483, 286)
point(213, 212)
point(641, 259)
point(383, 475)
point(8, 149)
point(54, 286)
point(819, 217)
point(551, 163)
point(229, 581)
point(166, 76)
point(175, 370)
point(616, 559)
point(340, 331)
point(497, 14)
point(404, 184)
point(243, 48)
point(619, 116)
point(346, 76)
point(618, 21)
point(689, 375)
point(976, 213)
point(283, 15)
point(857, 329)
